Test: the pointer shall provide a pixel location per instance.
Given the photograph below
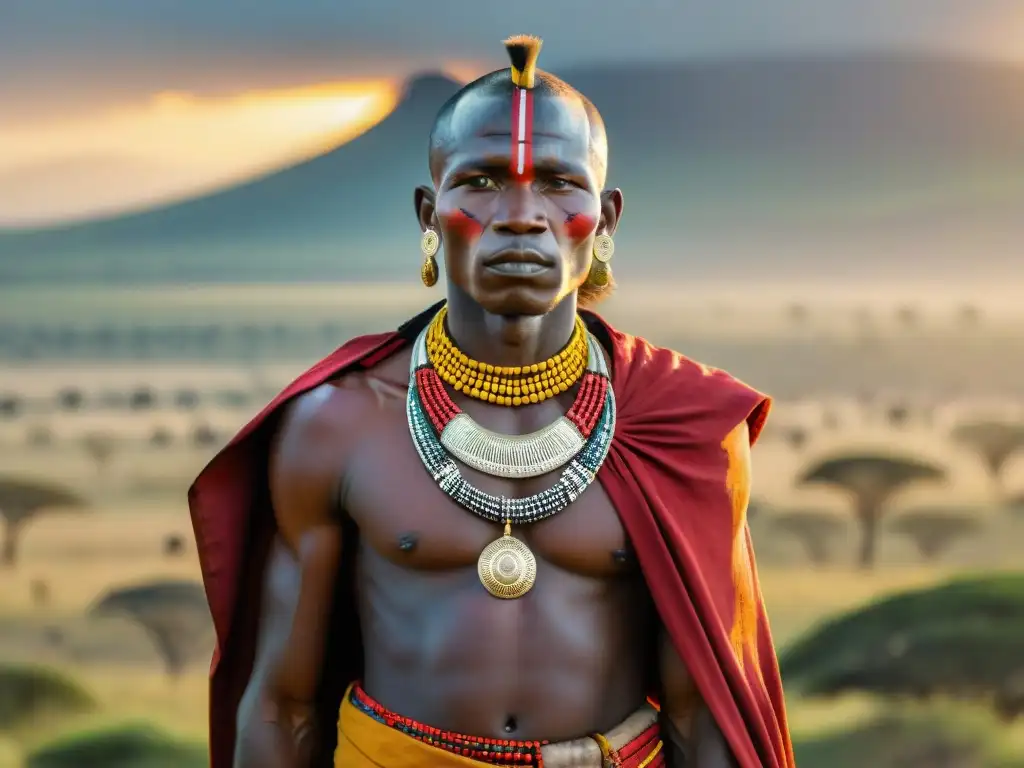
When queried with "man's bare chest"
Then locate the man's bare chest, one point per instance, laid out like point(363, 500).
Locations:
point(405, 517)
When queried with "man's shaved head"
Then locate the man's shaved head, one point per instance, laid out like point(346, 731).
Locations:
point(445, 134)
point(518, 159)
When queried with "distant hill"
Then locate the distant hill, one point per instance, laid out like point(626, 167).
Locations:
point(833, 166)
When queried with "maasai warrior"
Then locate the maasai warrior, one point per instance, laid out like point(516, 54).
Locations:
point(505, 534)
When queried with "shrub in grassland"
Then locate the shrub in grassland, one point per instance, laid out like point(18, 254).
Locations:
point(131, 745)
point(914, 737)
point(28, 693)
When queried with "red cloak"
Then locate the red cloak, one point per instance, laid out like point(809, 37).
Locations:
point(666, 474)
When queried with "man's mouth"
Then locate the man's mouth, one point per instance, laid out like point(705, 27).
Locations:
point(519, 261)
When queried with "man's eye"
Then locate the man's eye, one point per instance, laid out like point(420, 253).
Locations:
point(480, 182)
point(559, 185)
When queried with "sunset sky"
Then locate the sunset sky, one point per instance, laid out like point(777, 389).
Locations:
point(116, 105)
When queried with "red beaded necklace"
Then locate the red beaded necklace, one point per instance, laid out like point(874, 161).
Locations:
point(441, 409)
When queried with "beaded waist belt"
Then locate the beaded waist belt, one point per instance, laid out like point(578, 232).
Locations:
point(635, 743)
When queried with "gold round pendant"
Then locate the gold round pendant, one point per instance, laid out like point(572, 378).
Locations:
point(507, 567)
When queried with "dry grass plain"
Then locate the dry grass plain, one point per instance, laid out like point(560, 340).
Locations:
point(137, 499)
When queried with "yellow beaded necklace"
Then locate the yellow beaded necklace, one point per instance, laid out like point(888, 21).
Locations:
point(511, 385)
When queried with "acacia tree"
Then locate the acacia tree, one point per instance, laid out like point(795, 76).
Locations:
point(173, 613)
point(994, 442)
point(70, 399)
point(20, 501)
point(815, 530)
point(141, 399)
point(186, 399)
point(796, 437)
point(968, 317)
point(10, 405)
point(933, 530)
point(898, 415)
point(101, 447)
point(798, 314)
point(161, 437)
point(870, 480)
point(204, 436)
point(908, 317)
point(173, 545)
point(39, 436)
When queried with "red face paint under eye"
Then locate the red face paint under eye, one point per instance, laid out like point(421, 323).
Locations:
point(464, 224)
point(579, 226)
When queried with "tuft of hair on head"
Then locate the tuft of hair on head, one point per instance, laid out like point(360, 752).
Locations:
point(523, 51)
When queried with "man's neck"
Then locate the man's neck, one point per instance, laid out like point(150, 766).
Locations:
point(509, 341)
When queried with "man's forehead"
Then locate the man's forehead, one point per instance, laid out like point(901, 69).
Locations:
point(490, 114)
point(554, 154)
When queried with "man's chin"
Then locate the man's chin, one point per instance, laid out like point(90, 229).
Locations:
point(518, 300)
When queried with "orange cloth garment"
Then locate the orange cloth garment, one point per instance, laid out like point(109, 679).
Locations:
point(367, 743)
point(369, 734)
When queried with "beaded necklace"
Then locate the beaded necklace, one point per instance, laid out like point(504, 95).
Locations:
point(507, 567)
point(513, 456)
point(506, 385)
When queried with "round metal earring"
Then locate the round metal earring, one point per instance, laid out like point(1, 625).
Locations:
point(429, 244)
point(602, 252)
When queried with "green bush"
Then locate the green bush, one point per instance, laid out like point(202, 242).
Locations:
point(30, 692)
point(960, 639)
point(929, 738)
point(133, 745)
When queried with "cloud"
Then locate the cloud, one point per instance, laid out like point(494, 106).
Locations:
point(173, 145)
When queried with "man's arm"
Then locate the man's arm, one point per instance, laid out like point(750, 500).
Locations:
point(692, 737)
point(305, 471)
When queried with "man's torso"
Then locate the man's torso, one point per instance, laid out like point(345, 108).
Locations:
point(576, 655)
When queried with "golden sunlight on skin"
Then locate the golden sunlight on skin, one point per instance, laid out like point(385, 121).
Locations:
point(174, 146)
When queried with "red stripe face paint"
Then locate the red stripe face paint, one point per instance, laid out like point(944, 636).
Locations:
point(464, 224)
point(522, 135)
point(579, 226)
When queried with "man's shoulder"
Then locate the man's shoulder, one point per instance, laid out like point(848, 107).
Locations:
point(675, 387)
point(348, 396)
point(670, 367)
point(311, 398)
point(337, 391)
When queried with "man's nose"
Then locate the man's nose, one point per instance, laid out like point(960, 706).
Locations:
point(520, 212)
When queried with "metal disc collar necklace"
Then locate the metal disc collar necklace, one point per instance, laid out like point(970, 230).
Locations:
point(507, 567)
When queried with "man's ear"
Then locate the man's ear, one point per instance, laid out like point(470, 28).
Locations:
point(611, 211)
point(423, 200)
